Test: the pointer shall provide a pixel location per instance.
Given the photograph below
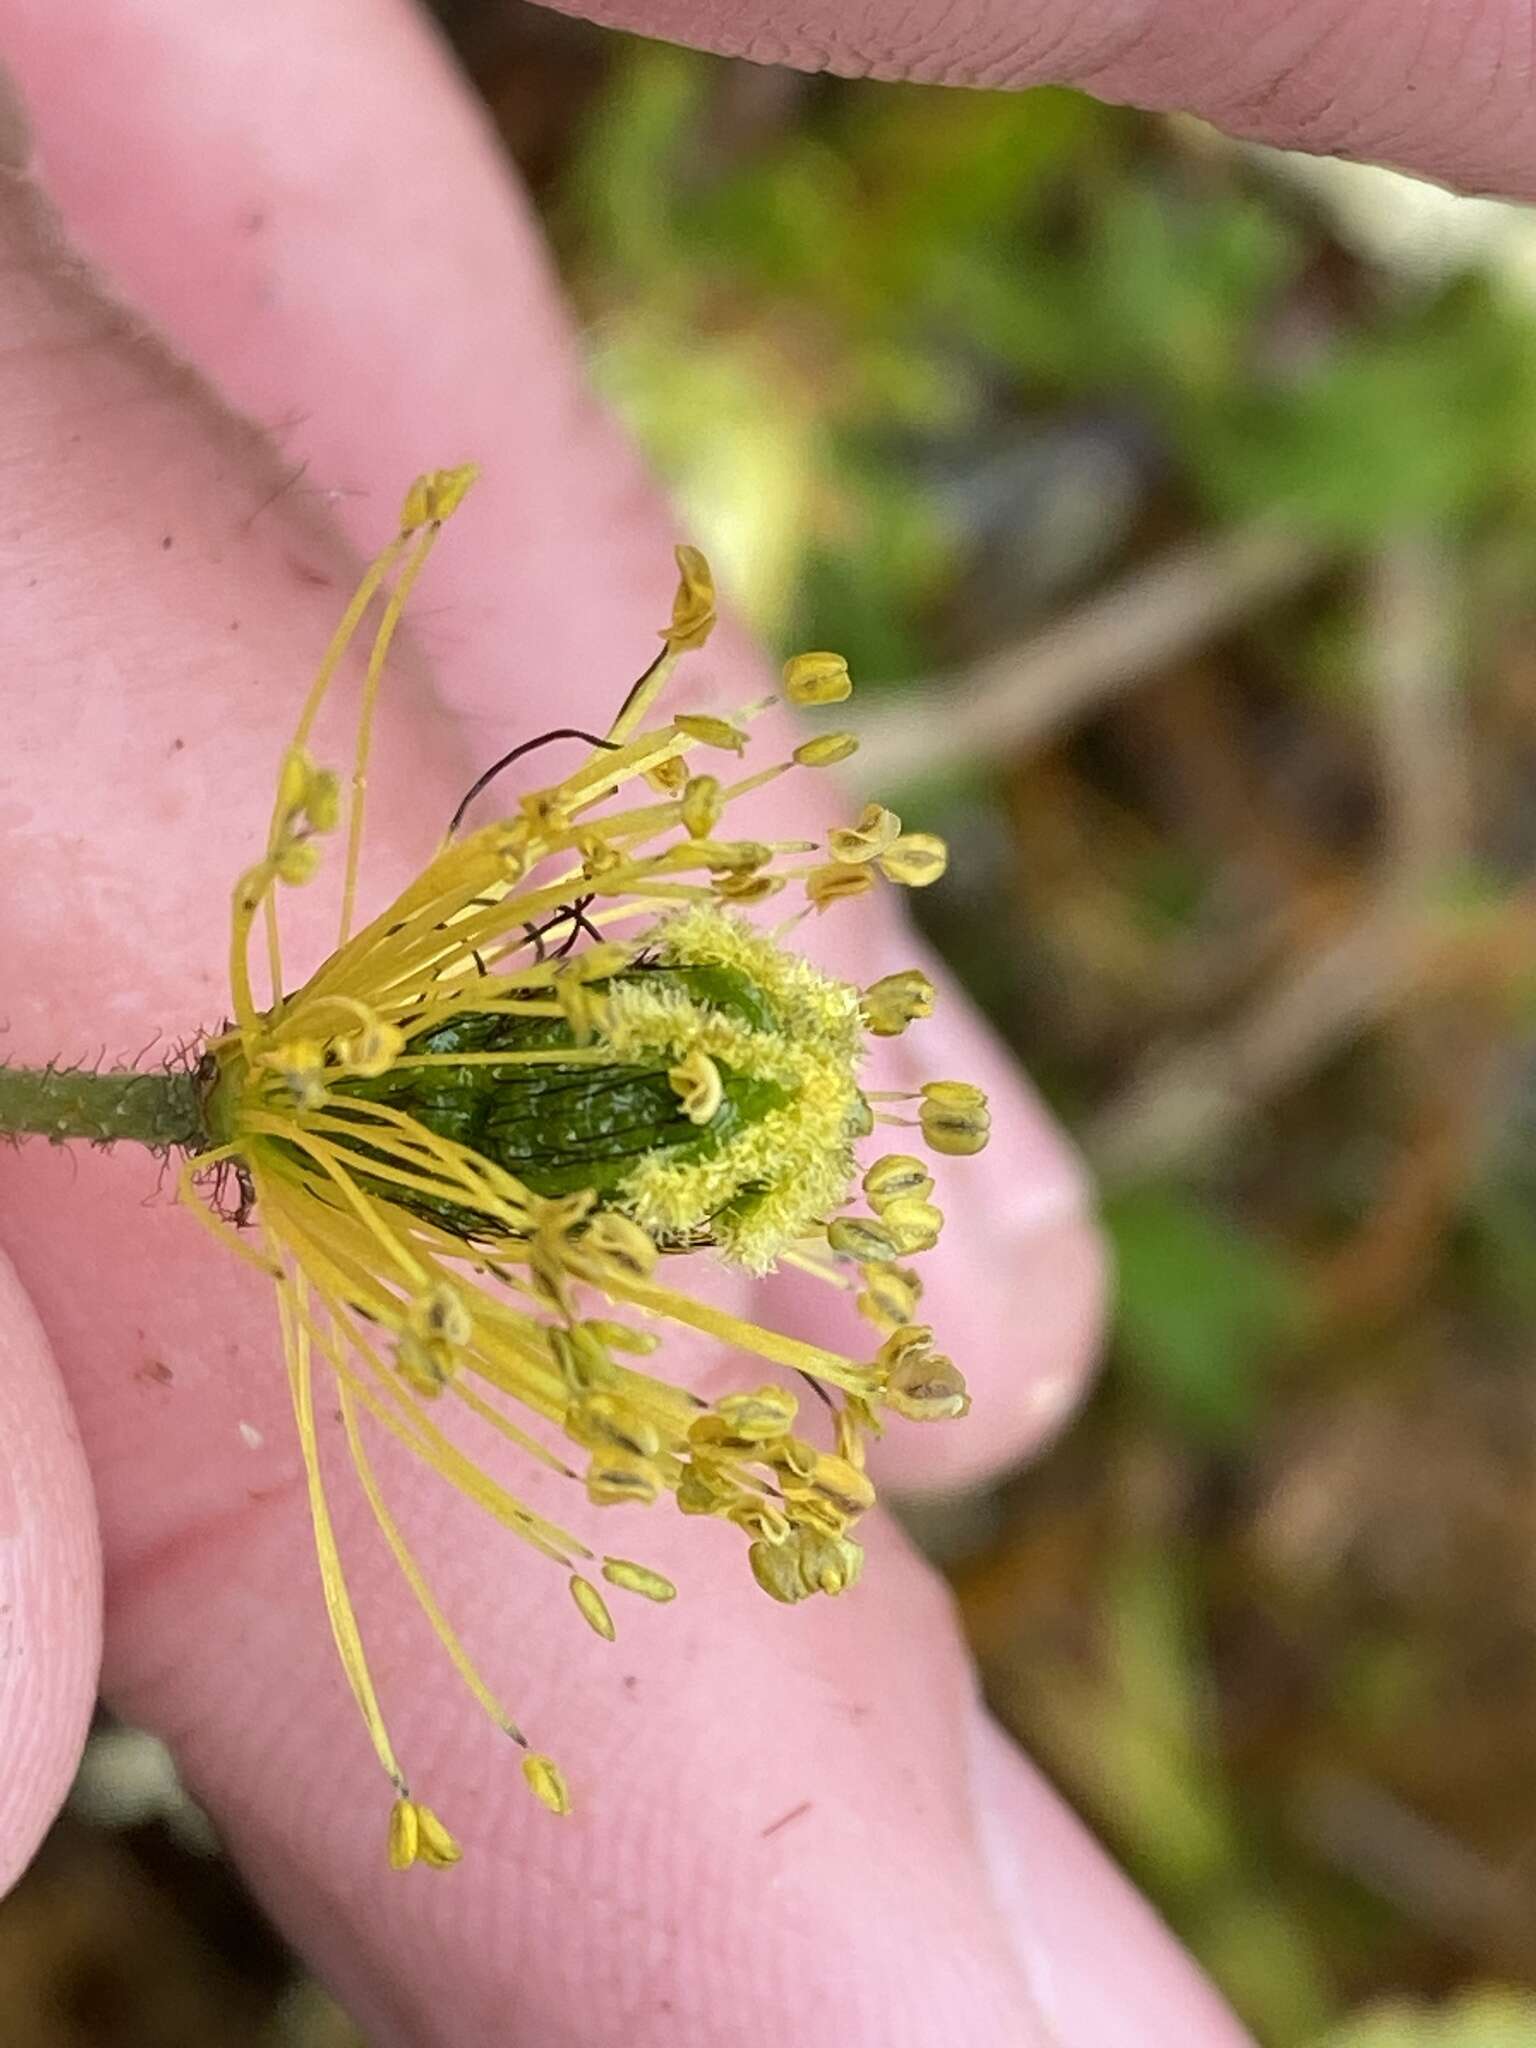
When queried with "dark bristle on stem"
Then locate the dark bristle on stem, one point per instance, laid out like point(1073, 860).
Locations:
point(483, 782)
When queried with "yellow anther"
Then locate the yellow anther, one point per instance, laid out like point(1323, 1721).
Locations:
point(748, 887)
point(915, 1224)
point(599, 962)
point(433, 496)
point(794, 1457)
point(702, 806)
point(928, 1388)
point(826, 750)
point(861, 1238)
point(293, 781)
point(416, 1835)
point(615, 1477)
point(733, 856)
point(322, 800)
point(891, 1293)
point(843, 1484)
point(893, 1002)
point(711, 732)
point(580, 1358)
point(693, 608)
point(760, 1416)
point(954, 1094)
point(915, 860)
point(437, 1326)
point(435, 1846)
point(506, 845)
point(371, 1050)
point(546, 1782)
point(810, 1561)
point(404, 1834)
point(543, 813)
point(610, 1236)
point(583, 1011)
point(420, 1366)
point(826, 886)
point(599, 856)
point(638, 1578)
point(622, 1336)
point(593, 1608)
point(897, 1176)
point(876, 831)
point(603, 1419)
point(295, 861)
point(817, 679)
point(909, 1341)
point(954, 1117)
point(300, 1065)
point(441, 1317)
point(920, 1382)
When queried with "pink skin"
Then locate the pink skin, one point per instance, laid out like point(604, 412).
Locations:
point(1442, 87)
point(779, 1813)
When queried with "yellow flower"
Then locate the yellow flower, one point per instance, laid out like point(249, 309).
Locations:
point(469, 1140)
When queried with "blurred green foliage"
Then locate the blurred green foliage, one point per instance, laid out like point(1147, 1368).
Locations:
point(806, 326)
point(1488, 2019)
point(1204, 1308)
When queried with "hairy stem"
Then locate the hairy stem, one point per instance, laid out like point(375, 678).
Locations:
point(155, 1109)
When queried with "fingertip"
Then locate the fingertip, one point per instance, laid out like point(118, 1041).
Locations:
point(1102, 1968)
point(50, 1586)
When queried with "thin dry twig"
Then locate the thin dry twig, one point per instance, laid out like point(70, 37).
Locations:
point(1423, 746)
point(1020, 696)
point(1186, 1104)
point(1183, 1107)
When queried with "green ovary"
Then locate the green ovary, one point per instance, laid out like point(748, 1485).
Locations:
point(561, 1128)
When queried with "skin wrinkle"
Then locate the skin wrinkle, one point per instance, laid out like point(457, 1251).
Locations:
point(952, 50)
point(1460, 115)
point(1295, 88)
point(1283, 90)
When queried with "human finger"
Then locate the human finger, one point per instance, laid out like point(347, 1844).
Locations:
point(50, 1585)
point(1437, 86)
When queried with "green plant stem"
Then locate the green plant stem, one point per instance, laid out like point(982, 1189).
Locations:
point(159, 1110)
